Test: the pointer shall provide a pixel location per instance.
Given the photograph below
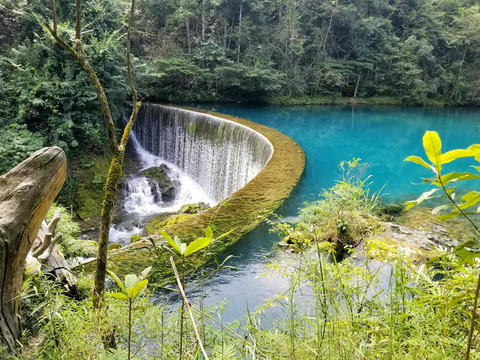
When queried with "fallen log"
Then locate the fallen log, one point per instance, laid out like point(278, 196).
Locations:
point(26, 193)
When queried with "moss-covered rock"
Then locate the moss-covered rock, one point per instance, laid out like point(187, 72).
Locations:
point(193, 208)
point(161, 176)
point(391, 209)
point(163, 221)
point(135, 238)
point(114, 246)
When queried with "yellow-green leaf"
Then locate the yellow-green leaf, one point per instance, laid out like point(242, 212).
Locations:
point(425, 196)
point(209, 232)
point(418, 160)
point(170, 241)
point(456, 154)
point(133, 292)
point(433, 148)
point(130, 281)
point(119, 296)
point(197, 244)
point(117, 280)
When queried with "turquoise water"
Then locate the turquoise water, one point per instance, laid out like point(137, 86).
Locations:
point(381, 136)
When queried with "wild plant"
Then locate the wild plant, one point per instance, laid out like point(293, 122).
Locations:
point(133, 287)
point(445, 183)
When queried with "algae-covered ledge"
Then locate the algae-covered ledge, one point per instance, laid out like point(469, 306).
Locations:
point(241, 211)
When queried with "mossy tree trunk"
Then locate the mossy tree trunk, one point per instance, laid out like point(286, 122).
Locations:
point(117, 148)
point(26, 194)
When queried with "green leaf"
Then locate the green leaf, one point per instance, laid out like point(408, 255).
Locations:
point(209, 232)
point(469, 199)
point(119, 296)
point(130, 281)
point(433, 148)
point(425, 196)
point(197, 244)
point(453, 177)
point(452, 215)
point(145, 272)
point(181, 246)
point(139, 287)
point(456, 154)
point(418, 160)
point(225, 234)
point(117, 280)
point(170, 241)
point(440, 208)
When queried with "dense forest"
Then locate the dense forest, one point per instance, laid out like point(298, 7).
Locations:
point(411, 52)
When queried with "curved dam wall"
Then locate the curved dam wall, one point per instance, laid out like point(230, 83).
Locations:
point(220, 155)
point(240, 212)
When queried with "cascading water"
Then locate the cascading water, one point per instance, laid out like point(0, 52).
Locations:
point(207, 159)
point(220, 155)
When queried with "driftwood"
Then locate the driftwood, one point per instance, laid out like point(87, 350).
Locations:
point(46, 256)
point(26, 194)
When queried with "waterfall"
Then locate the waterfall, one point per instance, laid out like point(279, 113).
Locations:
point(220, 155)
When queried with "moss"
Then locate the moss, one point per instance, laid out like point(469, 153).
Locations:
point(193, 208)
point(114, 246)
point(90, 191)
point(162, 221)
point(135, 238)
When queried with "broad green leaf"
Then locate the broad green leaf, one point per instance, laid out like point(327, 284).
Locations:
point(170, 241)
point(456, 154)
point(130, 281)
point(433, 148)
point(469, 199)
point(453, 177)
point(119, 296)
point(197, 244)
point(418, 160)
point(135, 290)
point(145, 272)
point(425, 196)
point(117, 280)
point(209, 232)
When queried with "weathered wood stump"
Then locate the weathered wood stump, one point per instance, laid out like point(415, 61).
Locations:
point(26, 194)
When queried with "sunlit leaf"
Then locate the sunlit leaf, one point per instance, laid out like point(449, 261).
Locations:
point(433, 148)
point(440, 208)
point(137, 288)
point(469, 199)
point(456, 154)
point(454, 177)
point(181, 246)
point(197, 245)
point(418, 160)
point(119, 296)
point(170, 241)
point(425, 196)
point(209, 232)
point(225, 234)
point(451, 215)
point(145, 272)
point(130, 281)
point(117, 280)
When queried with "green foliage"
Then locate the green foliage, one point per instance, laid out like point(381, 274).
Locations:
point(446, 183)
point(69, 243)
point(16, 144)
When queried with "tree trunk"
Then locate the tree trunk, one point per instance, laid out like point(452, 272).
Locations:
point(26, 194)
